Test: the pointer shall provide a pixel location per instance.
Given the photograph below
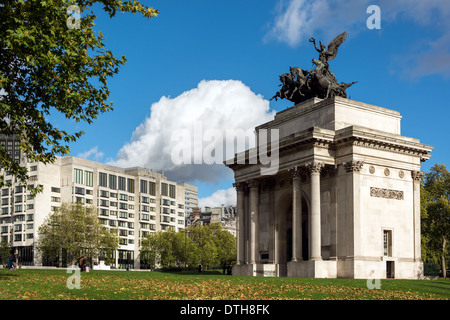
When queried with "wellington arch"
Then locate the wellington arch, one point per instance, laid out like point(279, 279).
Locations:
point(344, 202)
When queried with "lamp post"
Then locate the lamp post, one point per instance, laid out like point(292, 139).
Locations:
point(185, 247)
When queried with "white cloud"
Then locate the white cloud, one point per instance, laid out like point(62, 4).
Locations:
point(92, 153)
point(220, 197)
point(213, 105)
point(296, 21)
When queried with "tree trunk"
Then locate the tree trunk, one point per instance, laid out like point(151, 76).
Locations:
point(444, 271)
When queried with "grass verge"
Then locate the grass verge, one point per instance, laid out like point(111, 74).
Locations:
point(36, 284)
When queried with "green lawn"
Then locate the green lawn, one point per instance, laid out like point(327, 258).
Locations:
point(36, 284)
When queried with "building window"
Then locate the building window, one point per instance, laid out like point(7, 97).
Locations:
point(79, 200)
point(172, 191)
point(104, 203)
point(387, 243)
point(78, 176)
point(123, 215)
point(103, 180)
point(122, 184)
point(164, 189)
point(131, 185)
point(89, 177)
point(123, 206)
point(113, 182)
point(152, 188)
point(144, 186)
point(104, 193)
point(79, 190)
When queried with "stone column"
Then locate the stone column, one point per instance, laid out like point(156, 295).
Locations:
point(240, 225)
point(272, 220)
point(416, 176)
point(316, 249)
point(353, 208)
point(296, 214)
point(254, 205)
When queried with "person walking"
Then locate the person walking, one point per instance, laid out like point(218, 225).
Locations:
point(14, 260)
point(83, 263)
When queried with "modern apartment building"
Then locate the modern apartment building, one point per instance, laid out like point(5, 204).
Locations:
point(190, 198)
point(11, 144)
point(136, 200)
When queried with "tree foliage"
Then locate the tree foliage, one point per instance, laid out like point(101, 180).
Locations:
point(5, 252)
point(435, 205)
point(47, 67)
point(75, 230)
point(207, 245)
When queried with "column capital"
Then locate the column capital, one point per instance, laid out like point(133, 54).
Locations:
point(295, 172)
point(314, 167)
point(253, 183)
point(240, 186)
point(353, 166)
point(417, 175)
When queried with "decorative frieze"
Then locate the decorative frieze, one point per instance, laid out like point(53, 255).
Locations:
point(386, 193)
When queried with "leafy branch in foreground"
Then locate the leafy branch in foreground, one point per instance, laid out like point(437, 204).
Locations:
point(48, 68)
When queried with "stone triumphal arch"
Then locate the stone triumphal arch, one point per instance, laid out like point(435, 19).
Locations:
point(345, 201)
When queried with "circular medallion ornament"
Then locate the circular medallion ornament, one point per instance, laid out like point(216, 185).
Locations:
point(401, 174)
point(372, 169)
point(386, 172)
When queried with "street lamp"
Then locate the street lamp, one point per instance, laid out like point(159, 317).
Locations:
point(185, 247)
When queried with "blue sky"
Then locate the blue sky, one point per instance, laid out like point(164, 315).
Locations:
point(217, 63)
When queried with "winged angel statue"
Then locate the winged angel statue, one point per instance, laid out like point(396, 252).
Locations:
point(300, 85)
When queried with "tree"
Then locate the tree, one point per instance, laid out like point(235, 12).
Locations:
point(72, 231)
point(208, 245)
point(436, 216)
point(53, 61)
point(149, 251)
point(225, 243)
point(161, 248)
point(5, 252)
